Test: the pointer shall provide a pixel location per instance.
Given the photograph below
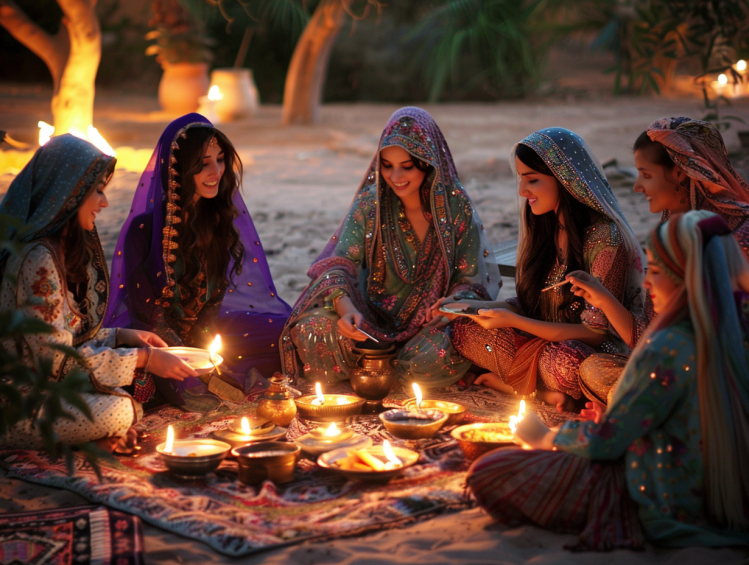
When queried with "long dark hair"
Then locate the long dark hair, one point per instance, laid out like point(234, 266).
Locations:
point(655, 151)
point(208, 234)
point(539, 251)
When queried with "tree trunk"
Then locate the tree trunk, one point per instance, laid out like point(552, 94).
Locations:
point(72, 57)
point(306, 76)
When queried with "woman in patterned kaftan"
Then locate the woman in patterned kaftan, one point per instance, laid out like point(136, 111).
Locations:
point(669, 454)
point(189, 263)
point(411, 236)
point(570, 220)
point(60, 277)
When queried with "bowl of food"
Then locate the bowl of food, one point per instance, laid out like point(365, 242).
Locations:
point(413, 424)
point(455, 412)
point(371, 464)
point(273, 460)
point(477, 439)
point(193, 458)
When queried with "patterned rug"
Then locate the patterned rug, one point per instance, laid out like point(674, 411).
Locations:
point(237, 519)
point(84, 534)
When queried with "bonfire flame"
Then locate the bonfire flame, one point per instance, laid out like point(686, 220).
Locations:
point(92, 135)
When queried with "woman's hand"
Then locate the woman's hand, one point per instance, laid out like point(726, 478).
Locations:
point(493, 318)
point(532, 431)
point(589, 288)
point(164, 364)
point(492, 380)
point(138, 338)
point(593, 411)
point(346, 325)
point(434, 310)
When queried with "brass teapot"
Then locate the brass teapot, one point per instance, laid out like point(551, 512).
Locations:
point(374, 376)
point(277, 405)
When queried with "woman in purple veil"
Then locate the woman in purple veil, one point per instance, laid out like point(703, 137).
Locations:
point(189, 263)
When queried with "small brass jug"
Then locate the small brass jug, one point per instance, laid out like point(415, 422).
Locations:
point(374, 376)
point(276, 403)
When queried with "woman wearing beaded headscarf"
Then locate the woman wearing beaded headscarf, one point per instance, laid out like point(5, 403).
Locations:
point(682, 165)
point(60, 277)
point(189, 264)
point(569, 220)
point(670, 452)
point(411, 236)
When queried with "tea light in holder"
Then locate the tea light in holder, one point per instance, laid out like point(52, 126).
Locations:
point(243, 431)
point(191, 458)
point(328, 407)
point(413, 424)
point(207, 104)
point(455, 412)
point(321, 440)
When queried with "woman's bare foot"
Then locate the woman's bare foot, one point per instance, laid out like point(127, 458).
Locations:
point(493, 380)
point(563, 402)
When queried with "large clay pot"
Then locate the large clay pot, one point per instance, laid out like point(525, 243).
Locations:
point(240, 96)
point(181, 85)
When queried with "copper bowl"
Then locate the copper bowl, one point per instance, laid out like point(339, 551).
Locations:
point(455, 412)
point(413, 424)
point(331, 410)
point(497, 435)
point(193, 458)
point(271, 460)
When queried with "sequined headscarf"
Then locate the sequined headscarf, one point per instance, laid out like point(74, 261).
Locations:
point(698, 149)
point(576, 168)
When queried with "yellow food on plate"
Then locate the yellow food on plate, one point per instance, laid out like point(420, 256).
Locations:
point(490, 435)
point(359, 460)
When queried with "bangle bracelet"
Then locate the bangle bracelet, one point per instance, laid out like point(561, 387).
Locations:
point(148, 359)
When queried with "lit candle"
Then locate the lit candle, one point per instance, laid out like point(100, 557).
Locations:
point(245, 426)
point(320, 400)
point(214, 348)
point(169, 447)
point(392, 459)
point(515, 420)
point(720, 85)
point(208, 104)
point(419, 398)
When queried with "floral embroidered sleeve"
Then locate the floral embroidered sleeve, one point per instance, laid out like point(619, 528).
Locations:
point(607, 259)
point(647, 394)
point(467, 251)
point(40, 295)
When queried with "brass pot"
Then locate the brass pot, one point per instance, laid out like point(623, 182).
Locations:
point(276, 404)
point(374, 376)
point(273, 460)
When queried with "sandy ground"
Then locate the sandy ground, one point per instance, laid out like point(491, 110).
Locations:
point(298, 184)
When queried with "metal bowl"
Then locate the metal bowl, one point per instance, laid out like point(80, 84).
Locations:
point(200, 360)
point(407, 457)
point(271, 460)
point(413, 424)
point(193, 458)
point(473, 448)
point(331, 410)
point(455, 412)
point(237, 439)
point(372, 386)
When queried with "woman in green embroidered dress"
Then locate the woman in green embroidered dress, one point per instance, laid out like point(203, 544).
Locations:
point(410, 237)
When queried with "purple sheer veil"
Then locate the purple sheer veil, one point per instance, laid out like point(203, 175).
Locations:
point(251, 316)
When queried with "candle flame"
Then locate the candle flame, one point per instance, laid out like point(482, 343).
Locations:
point(45, 132)
point(169, 439)
point(318, 393)
point(215, 346)
point(722, 79)
point(741, 66)
point(515, 420)
point(214, 93)
point(389, 453)
point(419, 398)
point(332, 430)
point(245, 426)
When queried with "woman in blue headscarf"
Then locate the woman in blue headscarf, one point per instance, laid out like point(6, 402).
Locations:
point(60, 277)
point(569, 221)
